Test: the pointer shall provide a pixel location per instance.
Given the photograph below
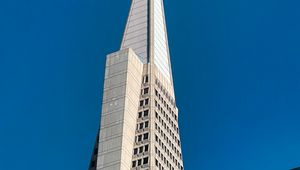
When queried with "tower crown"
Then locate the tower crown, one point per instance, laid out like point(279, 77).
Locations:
point(146, 34)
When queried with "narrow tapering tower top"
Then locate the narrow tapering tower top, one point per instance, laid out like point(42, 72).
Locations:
point(146, 34)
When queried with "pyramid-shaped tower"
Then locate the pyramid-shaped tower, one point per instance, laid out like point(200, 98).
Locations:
point(139, 119)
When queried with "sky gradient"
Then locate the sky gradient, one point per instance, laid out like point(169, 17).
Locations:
point(238, 110)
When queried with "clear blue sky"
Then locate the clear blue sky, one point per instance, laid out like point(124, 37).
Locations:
point(239, 110)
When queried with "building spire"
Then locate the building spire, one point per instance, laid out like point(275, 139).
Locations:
point(146, 34)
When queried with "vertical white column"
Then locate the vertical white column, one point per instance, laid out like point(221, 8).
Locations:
point(123, 79)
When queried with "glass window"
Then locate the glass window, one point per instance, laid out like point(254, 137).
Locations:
point(146, 124)
point(146, 112)
point(146, 101)
point(134, 164)
point(141, 126)
point(145, 161)
point(146, 148)
point(139, 138)
point(135, 151)
point(141, 149)
point(146, 90)
point(145, 136)
point(140, 114)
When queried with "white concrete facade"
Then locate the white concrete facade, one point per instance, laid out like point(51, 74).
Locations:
point(119, 108)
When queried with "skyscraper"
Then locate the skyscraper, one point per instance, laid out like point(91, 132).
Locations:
point(139, 120)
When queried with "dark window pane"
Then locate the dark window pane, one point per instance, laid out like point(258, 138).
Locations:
point(146, 90)
point(145, 161)
point(140, 114)
point(145, 136)
point(139, 162)
point(146, 101)
point(135, 151)
point(146, 148)
point(141, 126)
point(146, 113)
point(133, 164)
point(140, 138)
point(141, 149)
point(146, 124)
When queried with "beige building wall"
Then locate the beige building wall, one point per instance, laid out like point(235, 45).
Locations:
point(123, 79)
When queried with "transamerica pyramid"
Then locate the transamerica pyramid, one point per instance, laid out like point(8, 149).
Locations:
point(139, 120)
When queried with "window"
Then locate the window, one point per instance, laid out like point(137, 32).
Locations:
point(139, 162)
point(141, 149)
point(146, 113)
point(140, 114)
point(141, 126)
point(141, 103)
point(146, 124)
point(146, 101)
point(146, 148)
point(145, 136)
point(135, 151)
point(145, 161)
point(146, 79)
point(146, 90)
point(133, 164)
point(139, 138)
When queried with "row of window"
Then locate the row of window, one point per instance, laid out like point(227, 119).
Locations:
point(141, 149)
point(165, 92)
point(144, 114)
point(163, 158)
point(165, 104)
point(166, 127)
point(174, 126)
point(161, 167)
point(139, 162)
point(165, 161)
point(168, 141)
point(142, 137)
point(160, 154)
point(164, 148)
point(142, 125)
point(145, 91)
point(144, 102)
